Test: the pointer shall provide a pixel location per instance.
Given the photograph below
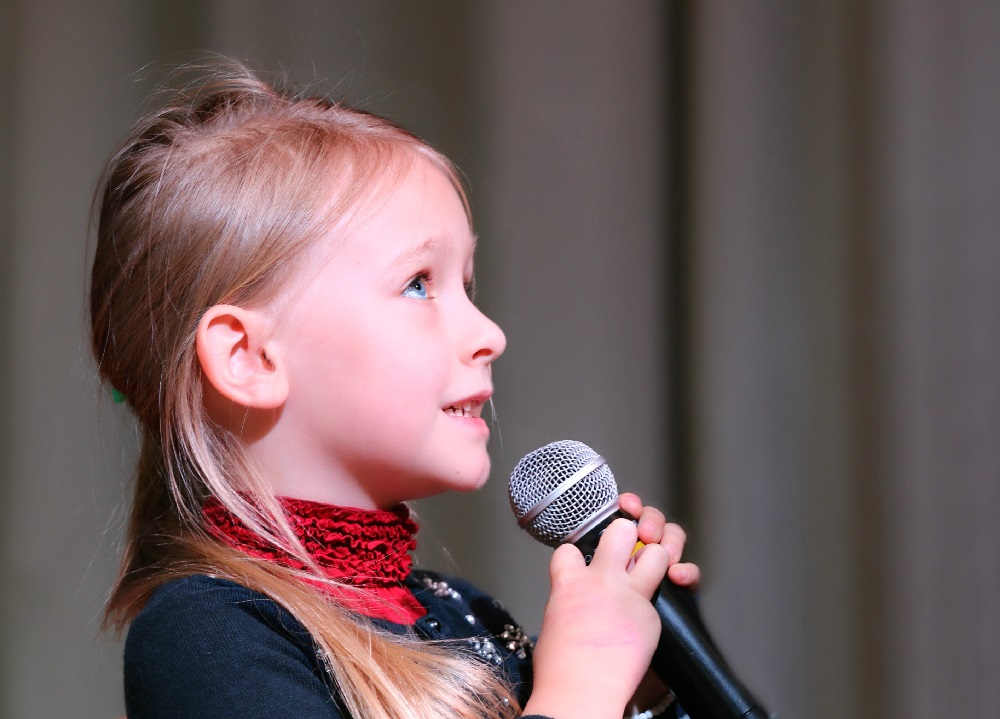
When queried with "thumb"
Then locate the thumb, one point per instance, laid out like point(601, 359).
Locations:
point(566, 559)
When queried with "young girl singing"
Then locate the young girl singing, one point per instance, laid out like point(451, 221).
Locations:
point(282, 293)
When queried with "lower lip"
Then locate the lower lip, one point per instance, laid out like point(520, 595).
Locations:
point(476, 423)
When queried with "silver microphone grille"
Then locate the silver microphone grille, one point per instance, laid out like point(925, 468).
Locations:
point(561, 488)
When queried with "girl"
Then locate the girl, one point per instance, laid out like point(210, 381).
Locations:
point(282, 293)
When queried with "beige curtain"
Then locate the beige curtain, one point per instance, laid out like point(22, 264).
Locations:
point(844, 250)
point(746, 250)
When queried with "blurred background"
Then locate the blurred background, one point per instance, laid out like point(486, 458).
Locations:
point(748, 251)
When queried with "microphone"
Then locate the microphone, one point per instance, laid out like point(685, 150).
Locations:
point(565, 492)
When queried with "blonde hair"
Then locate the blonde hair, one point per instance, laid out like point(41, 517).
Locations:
point(218, 197)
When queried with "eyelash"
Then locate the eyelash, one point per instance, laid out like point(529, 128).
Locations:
point(425, 279)
point(422, 278)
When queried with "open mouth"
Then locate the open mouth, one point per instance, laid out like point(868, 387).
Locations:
point(461, 410)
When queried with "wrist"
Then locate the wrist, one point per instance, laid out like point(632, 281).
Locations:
point(565, 708)
point(572, 704)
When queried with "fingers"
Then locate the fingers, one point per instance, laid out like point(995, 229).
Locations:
point(649, 568)
point(615, 552)
point(673, 538)
point(616, 546)
point(630, 504)
point(653, 526)
point(653, 529)
point(660, 556)
point(650, 519)
point(685, 575)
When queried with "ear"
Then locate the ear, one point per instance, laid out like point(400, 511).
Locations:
point(232, 350)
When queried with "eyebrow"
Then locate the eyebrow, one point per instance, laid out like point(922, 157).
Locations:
point(427, 247)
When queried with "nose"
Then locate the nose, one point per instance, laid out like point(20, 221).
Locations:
point(489, 340)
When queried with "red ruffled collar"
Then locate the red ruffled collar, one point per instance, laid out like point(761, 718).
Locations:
point(368, 549)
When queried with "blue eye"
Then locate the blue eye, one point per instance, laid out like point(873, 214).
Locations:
point(417, 288)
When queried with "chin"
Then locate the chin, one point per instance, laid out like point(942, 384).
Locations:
point(472, 486)
point(470, 482)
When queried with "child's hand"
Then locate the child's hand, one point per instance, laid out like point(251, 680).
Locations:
point(600, 629)
point(654, 529)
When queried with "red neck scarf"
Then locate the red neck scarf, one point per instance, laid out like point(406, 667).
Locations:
point(367, 549)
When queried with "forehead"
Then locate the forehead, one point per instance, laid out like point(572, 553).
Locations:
point(405, 209)
point(422, 214)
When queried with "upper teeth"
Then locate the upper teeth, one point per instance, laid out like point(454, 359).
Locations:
point(464, 410)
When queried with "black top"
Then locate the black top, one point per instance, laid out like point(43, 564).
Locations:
point(206, 647)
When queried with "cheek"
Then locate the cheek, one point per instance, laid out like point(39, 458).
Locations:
point(375, 366)
point(398, 369)
point(412, 380)
point(406, 356)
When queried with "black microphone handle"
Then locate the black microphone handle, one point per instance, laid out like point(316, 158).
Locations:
point(686, 659)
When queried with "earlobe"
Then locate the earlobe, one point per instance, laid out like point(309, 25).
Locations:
point(231, 349)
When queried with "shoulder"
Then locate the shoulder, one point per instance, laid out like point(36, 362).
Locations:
point(208, 647)
point(440, 593)
point(430, 585)
point(208, 604)
point(461, 612)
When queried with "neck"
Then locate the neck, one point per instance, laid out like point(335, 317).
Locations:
point(293, 468)
point(352, 549)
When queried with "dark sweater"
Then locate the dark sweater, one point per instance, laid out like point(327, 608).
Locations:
point(205, 647)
